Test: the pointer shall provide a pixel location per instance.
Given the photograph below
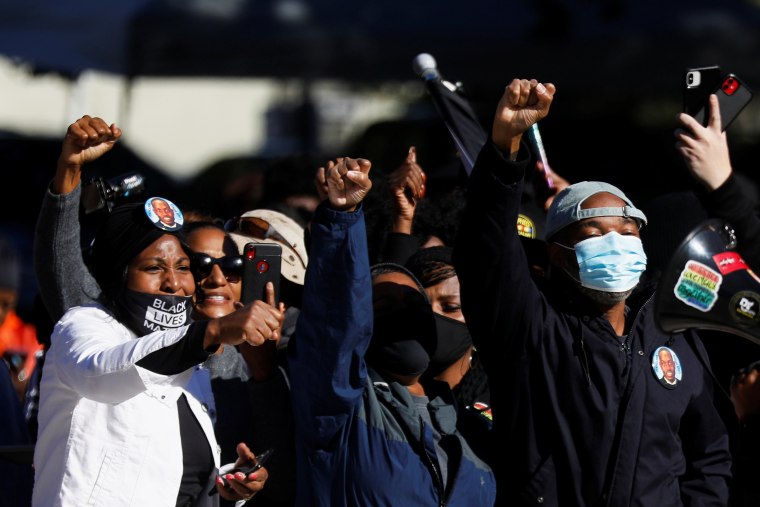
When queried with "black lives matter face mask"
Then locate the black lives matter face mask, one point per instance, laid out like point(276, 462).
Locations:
point(147, 313)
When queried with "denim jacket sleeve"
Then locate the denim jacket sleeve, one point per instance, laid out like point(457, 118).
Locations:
point(326, 354)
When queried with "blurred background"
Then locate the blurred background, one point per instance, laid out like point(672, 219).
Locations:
point(227, 105)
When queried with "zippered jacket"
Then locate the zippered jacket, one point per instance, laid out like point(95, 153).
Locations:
point(359, 438)
point(584, 418)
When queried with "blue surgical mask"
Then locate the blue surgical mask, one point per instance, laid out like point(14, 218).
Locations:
point(610, 263)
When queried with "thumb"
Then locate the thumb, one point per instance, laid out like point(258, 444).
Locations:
point(269, 294)
point(360, 178)
point(411, 157)
point(545, 95)
point(364, 165)
point(549, 89)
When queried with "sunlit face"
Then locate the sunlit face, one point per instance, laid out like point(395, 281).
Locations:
point(599, 226)
point(163, 211)
point(162, 268)
point(445, 299)
point(591, 227)
point(667, 365)
point(217, 294)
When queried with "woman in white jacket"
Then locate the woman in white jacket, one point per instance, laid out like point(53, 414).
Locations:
point(116, 425)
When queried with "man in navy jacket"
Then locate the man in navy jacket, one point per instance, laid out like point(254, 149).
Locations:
point(574, 365)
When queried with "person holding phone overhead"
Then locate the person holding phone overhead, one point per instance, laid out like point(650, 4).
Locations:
point(724, 194)
point(732, 94)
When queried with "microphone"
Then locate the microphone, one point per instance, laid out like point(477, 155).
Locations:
point(455, 111)
point(424, 66)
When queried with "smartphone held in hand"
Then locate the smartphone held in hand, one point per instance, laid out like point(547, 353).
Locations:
point(699, 83)
point(258, 462)
point(261, 264)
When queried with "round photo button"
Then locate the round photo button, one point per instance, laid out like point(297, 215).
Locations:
point(666, 366)
point(164, 214)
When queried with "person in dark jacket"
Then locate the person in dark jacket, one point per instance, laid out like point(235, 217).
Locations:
point(367, 432)
point(574, 385)
point(724, 195)
point(455, 361)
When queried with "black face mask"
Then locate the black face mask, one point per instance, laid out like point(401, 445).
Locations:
point(403, 337)
point(453, 340)
point(146, 313)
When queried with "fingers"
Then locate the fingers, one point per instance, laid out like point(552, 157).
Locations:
point(281, 309)
point(685, 139)
point(243, 487)
point(513, 92)
point(690, 125)
point(348, 183)
point(236, 484)
point(320, 182)
point(89, 131)
point(409, 178)
point(524, 102)
point(244, 453)
point(358, 172)
point(360, 164)
point(527, 95)
point(319, 178)
point(335, 172)
point(360, 179)
point(528, 92)
point(411, 156)
point(267, 320)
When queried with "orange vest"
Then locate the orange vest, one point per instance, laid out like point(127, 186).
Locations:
point(18, 336)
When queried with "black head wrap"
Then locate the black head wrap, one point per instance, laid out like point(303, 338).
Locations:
point(432, 265)
point(125, 233)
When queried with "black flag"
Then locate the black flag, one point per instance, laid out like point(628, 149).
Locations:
point(469, 136)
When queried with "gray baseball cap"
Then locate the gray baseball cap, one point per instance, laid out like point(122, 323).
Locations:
point(566, 207)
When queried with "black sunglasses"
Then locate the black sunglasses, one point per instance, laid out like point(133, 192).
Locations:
point(231, 265)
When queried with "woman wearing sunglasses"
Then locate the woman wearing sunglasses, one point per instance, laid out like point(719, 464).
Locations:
point(217, 267)
point(250, 394)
